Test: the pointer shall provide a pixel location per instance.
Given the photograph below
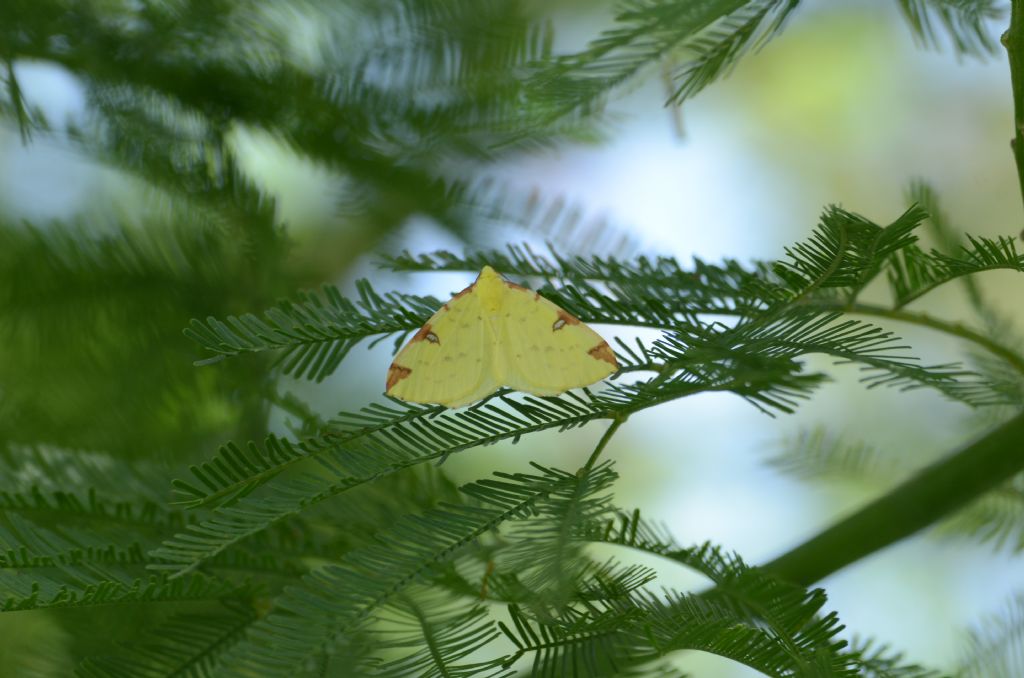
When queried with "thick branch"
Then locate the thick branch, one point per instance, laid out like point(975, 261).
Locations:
point(1013, 40)
point(933, 494)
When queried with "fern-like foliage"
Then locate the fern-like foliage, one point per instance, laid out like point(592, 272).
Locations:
point(185, 645)
point(996, 645)
point(963, 22)
point(818, 454)
point(780, 318)
point(340, 549)
point(876, 661)
point(799, 298)
point(1001, 363)
point(434, 635)
point(708, 37)
point(716, 50)
point(309, 618)
point(915, 273)
point(997, 518)
point(121, 293)
point(645, 31)
point(782, 634)
point(43, 568)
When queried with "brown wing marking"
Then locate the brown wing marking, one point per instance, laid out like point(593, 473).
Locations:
point(563, 320)
point(396, 373)
point(513, 286)
point(425, 333)
point(604, 352)
point(462, 293)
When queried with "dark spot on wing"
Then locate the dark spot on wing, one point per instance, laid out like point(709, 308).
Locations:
point(396, 373)
point(426, 333)
point(604, 352)
point(565, 319)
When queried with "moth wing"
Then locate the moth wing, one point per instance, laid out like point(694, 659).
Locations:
point(547, 350)
point(449, 360)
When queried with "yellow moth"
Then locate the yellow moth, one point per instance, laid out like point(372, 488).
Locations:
point(492, 334)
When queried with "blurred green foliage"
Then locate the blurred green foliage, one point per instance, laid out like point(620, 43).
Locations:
point(275, 556)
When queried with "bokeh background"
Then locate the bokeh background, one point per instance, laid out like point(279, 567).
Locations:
point(842, 108)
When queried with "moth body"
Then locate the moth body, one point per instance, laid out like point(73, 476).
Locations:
point(492, 334)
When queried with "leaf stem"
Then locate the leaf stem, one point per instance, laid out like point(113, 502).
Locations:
point(601, 444)
point(954, 328)
point(1013, 40)
point(934, 493)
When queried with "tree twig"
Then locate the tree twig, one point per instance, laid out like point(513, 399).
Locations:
point(934, 493)
point(1013, 40)
point(602, 443)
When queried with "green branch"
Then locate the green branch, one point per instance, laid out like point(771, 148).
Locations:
point(954, 328)
point(1013, 40)
point(936, 492)
point(603, 442)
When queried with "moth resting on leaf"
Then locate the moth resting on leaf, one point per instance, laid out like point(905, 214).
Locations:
point(492, 334)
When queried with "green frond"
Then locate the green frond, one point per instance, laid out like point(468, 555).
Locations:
point(951, 243)
point(456, 47)
point(948, 236)
point(606, 638)
point(818, 454)
point(379, 441)
point(48, 568)
point(235, 472)
point(479, 576)
point(963, 23)
point(995, 646)
point(144, 520)
point(717, 49)
point(383, 96)
point(332, 601)
point(193, 164)
point(807, 330)
point(14, 105)
point(846, 250)
point(48, 469)
point(660, 284)
point(692, 622)
point(186, 645)
point(995, 518)
point(784, 606)
point(502, 211)
point(123, 293)
point(755, 361)
point(434, 634)
point(879, 661)
point(913, 272)
point(1003, 369)
point(645, 31)
point(316, 332)
point(545, 553)
point(55, 271)
point(590, 643)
